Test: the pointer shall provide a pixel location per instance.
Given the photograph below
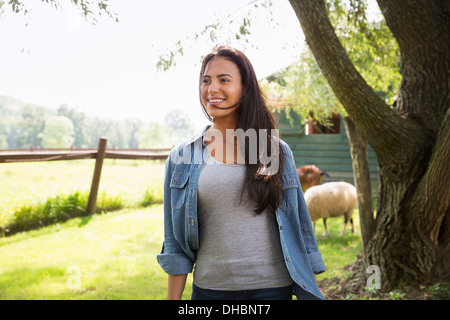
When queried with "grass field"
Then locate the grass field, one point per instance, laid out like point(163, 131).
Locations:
point(112, 256)
point(23, 183)
point(107, 256)
point(36, 193)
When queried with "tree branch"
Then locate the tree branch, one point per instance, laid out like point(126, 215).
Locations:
point(383, 128)
point(361, 174)
point(430, 21)
point(435, 184)
point(422, 30)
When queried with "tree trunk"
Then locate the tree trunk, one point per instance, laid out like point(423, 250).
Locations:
point(411, 140)
point(361, 173)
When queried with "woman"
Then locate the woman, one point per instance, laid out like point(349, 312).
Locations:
point(235, 212)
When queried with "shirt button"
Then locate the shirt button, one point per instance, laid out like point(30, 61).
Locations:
point(281, 227)
point(288, 259)
point(305, 286)
point(175, 180)
point(291, 181)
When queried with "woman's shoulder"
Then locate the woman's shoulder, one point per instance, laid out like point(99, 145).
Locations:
point(289, 161)
point(286, 149)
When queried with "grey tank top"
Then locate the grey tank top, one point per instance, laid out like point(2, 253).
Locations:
point(238, 249)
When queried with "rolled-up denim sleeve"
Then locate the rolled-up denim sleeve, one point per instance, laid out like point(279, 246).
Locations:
point(174, 263)
point(317, 265)
point(172, 258)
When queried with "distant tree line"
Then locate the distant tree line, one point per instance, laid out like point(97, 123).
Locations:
point(23, 125)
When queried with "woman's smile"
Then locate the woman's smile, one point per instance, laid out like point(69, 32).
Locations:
point(215, 101)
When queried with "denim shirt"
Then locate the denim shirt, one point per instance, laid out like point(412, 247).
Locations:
point(181, 239)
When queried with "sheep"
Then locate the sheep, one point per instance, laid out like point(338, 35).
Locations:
point(310, 176)
point(331, 199)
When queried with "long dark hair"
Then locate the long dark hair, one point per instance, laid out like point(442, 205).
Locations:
point(266, 190)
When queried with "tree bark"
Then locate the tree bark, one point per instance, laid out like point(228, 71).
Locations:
point(385, 130)
point(422, 30)
point(411, 139)
point(361, 173)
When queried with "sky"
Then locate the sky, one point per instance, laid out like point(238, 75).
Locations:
point(54, 56)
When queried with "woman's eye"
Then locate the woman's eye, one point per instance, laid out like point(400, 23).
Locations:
point(206, 81)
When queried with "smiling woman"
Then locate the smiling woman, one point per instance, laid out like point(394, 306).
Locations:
point(248, 233)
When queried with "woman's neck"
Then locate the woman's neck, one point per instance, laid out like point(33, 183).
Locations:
point(229, 143)
point(224, 124)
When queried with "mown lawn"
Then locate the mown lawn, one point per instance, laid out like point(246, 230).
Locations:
point(338, 251)
point(35, 193)
point(32, 182)
point(111, 255)
point(114, 256)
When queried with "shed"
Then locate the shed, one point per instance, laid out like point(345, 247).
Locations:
point(325, 147)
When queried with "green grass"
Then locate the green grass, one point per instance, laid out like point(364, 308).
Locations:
point(36, 264)
point(338, 251)
point(38, 194)
point(30, 183)
point(115, 254)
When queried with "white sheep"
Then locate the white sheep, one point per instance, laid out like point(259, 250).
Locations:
point(331, 199)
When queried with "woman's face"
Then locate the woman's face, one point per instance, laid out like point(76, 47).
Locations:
point(221, 87)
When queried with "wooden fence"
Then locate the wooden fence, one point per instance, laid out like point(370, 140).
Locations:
point(99, 154)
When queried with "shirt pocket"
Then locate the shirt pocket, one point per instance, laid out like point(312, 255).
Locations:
point(178, 187)
point(290, 185)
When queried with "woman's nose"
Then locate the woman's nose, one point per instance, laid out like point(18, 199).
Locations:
point(214, 86)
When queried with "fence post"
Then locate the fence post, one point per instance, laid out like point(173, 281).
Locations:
point(96, 178)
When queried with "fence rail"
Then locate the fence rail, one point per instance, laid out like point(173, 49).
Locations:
point(35, 156)
point(99, 154)
point(39, 149)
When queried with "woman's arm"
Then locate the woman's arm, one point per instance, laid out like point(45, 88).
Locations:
point(172, 259)
point(176, 286)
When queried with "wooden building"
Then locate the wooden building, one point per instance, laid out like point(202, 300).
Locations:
point(325, 147)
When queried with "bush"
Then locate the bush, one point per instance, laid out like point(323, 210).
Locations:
point(58, 208)
point(109, 202)
point(152, 196)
